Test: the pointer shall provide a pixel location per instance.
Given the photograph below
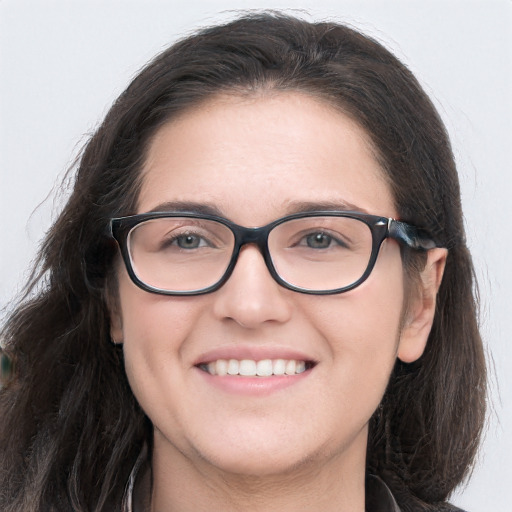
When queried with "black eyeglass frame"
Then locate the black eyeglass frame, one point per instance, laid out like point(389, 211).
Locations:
point(380, 227)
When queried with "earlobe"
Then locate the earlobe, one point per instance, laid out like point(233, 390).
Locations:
point(420, 314)
point(116, 321)
point(116, 330)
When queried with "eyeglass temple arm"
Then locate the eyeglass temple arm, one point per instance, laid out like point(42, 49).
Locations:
point(410, 235)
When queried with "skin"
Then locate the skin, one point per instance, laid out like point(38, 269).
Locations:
point(302, 447)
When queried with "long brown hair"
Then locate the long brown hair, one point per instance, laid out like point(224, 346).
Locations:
point(70, 427)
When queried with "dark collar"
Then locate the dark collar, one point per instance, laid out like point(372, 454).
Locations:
point(378, 497)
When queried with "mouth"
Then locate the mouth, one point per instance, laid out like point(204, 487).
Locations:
point(252, 368)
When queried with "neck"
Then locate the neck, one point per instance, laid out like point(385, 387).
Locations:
point(329, 483)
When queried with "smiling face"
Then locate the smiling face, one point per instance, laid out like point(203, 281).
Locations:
point(254, 160)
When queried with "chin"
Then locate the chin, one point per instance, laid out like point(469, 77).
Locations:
point(263, 452)
point(260, 464)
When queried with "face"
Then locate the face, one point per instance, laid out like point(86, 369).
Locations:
point(255, 160)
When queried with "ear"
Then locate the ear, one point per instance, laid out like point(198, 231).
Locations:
point(116, 319)
point(116, 329)
point(420, 313)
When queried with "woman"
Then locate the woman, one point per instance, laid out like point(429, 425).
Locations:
point(226, 315)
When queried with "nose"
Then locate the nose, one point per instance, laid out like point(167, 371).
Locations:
point(251, 297)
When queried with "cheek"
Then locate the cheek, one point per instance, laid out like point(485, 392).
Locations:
point(149, 319)
point(367, 318)
point(362, 335)
point(362, 327)
point(155, 329)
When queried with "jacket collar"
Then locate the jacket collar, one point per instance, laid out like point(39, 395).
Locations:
point(378, 497)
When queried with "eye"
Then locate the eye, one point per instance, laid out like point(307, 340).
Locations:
point(322, 240)
point(187, 241)
point(318, 240)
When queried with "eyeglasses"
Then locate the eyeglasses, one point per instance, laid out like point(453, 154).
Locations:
point(324, 252)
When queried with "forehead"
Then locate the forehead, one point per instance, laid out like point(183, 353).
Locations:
point(254, 158)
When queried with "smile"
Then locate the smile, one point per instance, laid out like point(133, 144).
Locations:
point(252, 368)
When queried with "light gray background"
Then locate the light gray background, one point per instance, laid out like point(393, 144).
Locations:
point(62, 63)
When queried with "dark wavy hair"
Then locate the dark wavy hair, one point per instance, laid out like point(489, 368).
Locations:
point(70, 426)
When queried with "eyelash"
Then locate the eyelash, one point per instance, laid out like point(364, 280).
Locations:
point(337, 240)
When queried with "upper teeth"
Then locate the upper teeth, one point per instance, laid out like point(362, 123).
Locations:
point(251, 368)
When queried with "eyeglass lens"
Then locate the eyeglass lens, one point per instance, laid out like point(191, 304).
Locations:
point(185, 254)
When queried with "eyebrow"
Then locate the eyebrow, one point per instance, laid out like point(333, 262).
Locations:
point(187, 206)
point(315, 206)
point(290, 207)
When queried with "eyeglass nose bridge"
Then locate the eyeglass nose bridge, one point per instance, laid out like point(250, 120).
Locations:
point(247, 236)
point(244, 236)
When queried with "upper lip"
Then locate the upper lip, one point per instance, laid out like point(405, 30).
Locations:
point(256, 353)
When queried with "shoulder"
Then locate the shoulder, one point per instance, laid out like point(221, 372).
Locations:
point(447, 507)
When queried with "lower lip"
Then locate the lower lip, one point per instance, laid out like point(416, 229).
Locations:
point(253, 386)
